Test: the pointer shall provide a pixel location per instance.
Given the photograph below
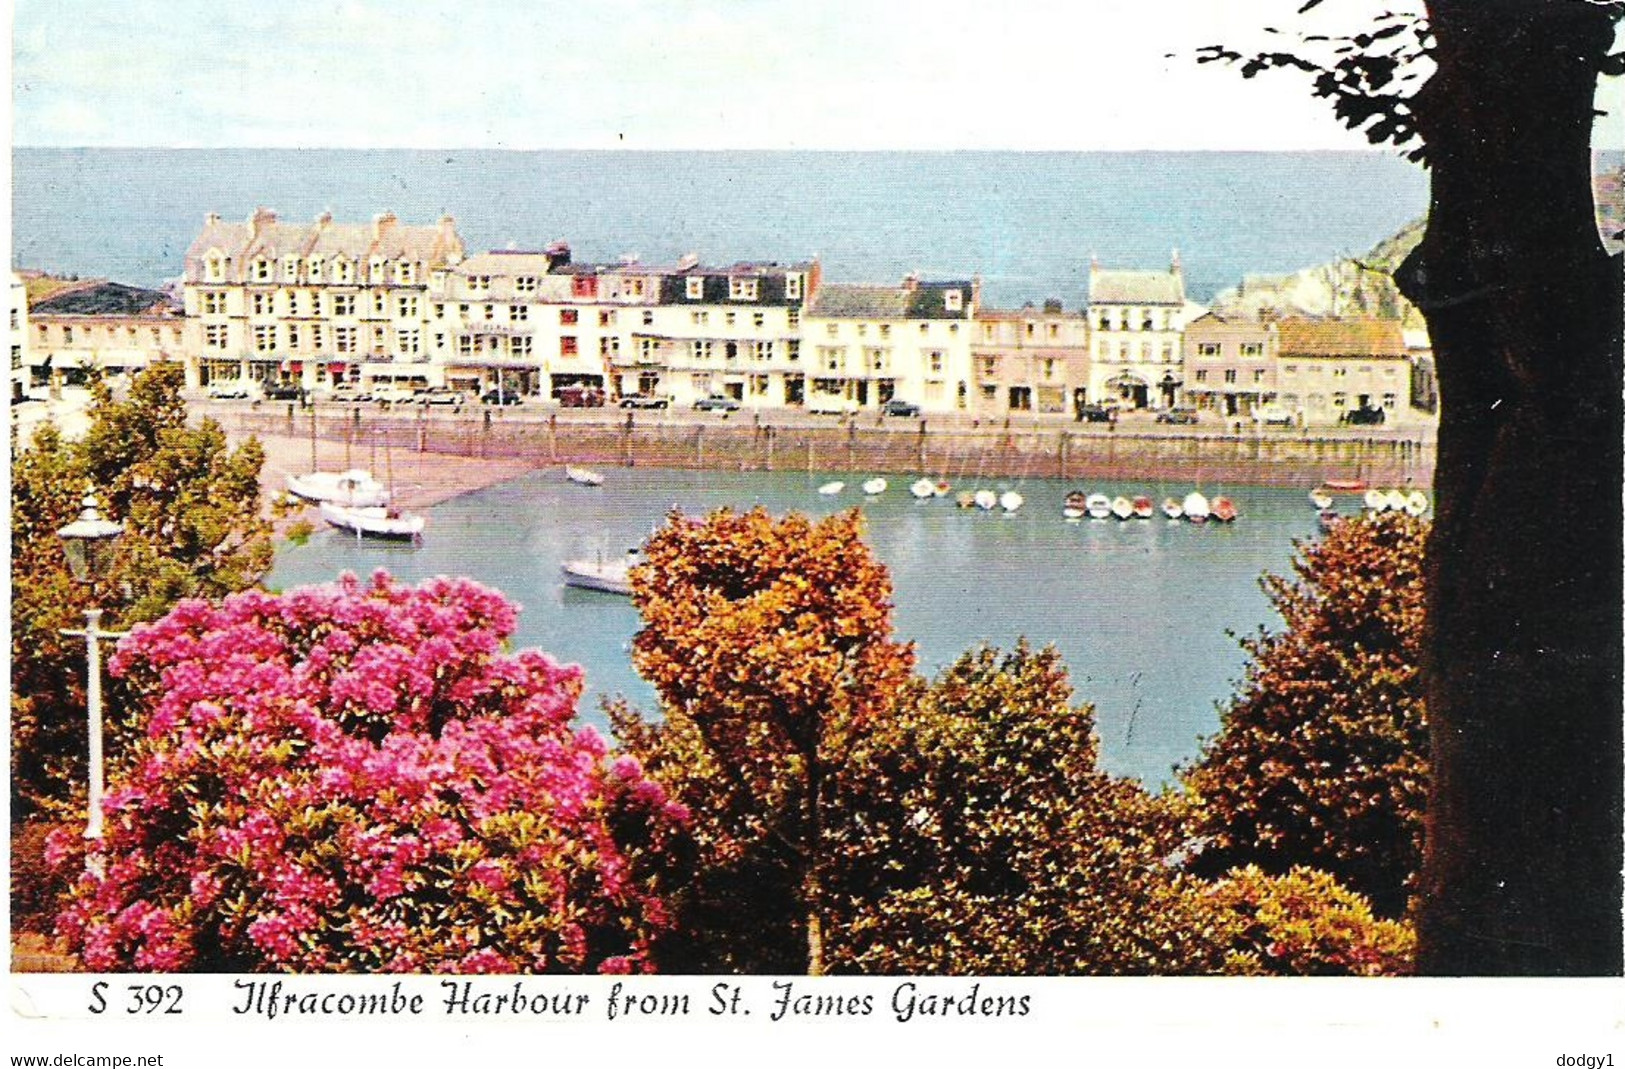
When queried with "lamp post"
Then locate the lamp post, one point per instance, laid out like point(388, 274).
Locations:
point(88, 542)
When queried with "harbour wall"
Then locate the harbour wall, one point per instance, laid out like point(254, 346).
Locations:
point(954, 451)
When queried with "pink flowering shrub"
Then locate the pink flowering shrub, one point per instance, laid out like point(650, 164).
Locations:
point(358, 778)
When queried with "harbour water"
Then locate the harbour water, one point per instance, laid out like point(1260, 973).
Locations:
point(1143, 611)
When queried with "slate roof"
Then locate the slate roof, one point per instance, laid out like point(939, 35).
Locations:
point(924, 300)
point(1136, 287)
point(1350, 338)
point(103, 299)
point(266, 235)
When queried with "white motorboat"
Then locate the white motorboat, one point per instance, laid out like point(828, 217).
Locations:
point(832, 488)
point(583, 476)
point(354, 488)
point(604, 576)
point(1196, 507)
point(986, 499)
point(1122, 507)
point(1172, 508)
point(874, 487)
point(373, 521)
point(1010, 500)
point(1416, 503)
point(1099, 506)
point(923, 488)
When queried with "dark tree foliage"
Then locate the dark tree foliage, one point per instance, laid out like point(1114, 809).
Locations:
point(1321, 760)
point(1526, 311)
point(191, 511)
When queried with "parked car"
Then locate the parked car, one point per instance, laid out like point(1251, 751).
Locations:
point(1365, 416)
point(343, 393)
point(1178, 414)
point(1273, 415)
point(580, 396)
point(501, 397)
point(716, 403)
point(234, 390)
point(284, 391)
point(440, 395)
point(1096, 414)
point(643, 400)
point(393, 393)
point(899, 407)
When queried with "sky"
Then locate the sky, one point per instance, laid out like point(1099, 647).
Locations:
point(662, 74)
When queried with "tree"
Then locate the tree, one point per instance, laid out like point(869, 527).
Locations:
point(356, 778)
point(1321, 759)
point(769, 643)
point(1526, 311)
point(976, 834)
point(193, 528)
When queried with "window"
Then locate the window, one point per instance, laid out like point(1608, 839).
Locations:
point(344, 340)
point(406, 273)
point(1201, 376)
point(1021, 398)
point(313, 272)
point(525, 284)
point(989, 366)
point(694, 289)
point(519, 345)
point(479, 283)
point(1340, 373)
point(759, 319)
point(1258, 375)
point(406, 307)
point(832, 329)
point(344, 304)
point(1389, 400)
point(567, 316)
point(1230, 374)
point(925, 329)
point(490, 311)
point(343, 271)
point(1167, 352)
point(1340, 400)
point(875, 359)
point(609, 347)
point(377, 339)
point(792, 349)
point(439, 310)
point(763, 350)
point(262, 304)
point(1252, 348)
point(606, 319)
point(214, 302)
point(743, 289)
point(700, 318)
point(262, 270)
point(1105, 321)
point(1147, 322)
point(583, 286)
point(934, 358)
point(465, 345)
point(407, 342)
point(1289, 369)
point(794, 317)
point(1049, 367)
point(953, 300)
point(293, 337)
point(378, 306)
point(700, 349)
point(375, 269)
point(290, 269)
point(214, 337)
point(829, 357)
point(518, 313)
point(215, 269)
point(792, 287)
point(567, 345)
point(730, 318)
point(758, 385)
point(1207, 348)
point(1123, 351)
point(1145, 352)
point(1104, 350)
point(648, 318)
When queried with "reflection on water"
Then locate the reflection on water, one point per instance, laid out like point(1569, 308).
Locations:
point(1140, 609)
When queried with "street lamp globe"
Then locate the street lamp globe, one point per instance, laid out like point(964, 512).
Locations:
point(89, 541)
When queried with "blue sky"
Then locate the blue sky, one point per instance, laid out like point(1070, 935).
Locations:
point(657, 74)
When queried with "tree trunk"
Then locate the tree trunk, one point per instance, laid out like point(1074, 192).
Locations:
point(1521, 873)
point(812, 892)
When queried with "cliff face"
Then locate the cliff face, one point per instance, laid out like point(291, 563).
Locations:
point(1364, 285)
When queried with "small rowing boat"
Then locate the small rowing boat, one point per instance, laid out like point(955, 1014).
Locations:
point(1143, 508)
point(1075, 505)
point(874, 487)
point(830, 489)
point(1122, 507)
point(583, 476)
point(922, 489)
point(1010, 500)
point(1196, 507)
point(986, 499)
point(1099, 506)
point(1224, 510)
point(1172, 509)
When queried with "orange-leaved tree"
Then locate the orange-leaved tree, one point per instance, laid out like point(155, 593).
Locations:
point(769, 643)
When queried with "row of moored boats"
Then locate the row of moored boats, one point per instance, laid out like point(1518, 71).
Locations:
point(354, 502)
point(1194, 507)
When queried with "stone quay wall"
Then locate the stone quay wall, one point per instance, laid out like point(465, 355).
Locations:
point(953, 450)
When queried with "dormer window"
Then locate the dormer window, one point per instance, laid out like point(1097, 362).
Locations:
point(290, 269)
point(695, 289)
point(216, 269)
point(262, 270)
point(315, 269)
point(343, 271)
point(743, 289)
point(375, 269)
point(953, 300)
point(792, 287)
point(405, 273)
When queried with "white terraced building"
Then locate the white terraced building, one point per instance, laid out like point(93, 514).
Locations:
point(1136, 320)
